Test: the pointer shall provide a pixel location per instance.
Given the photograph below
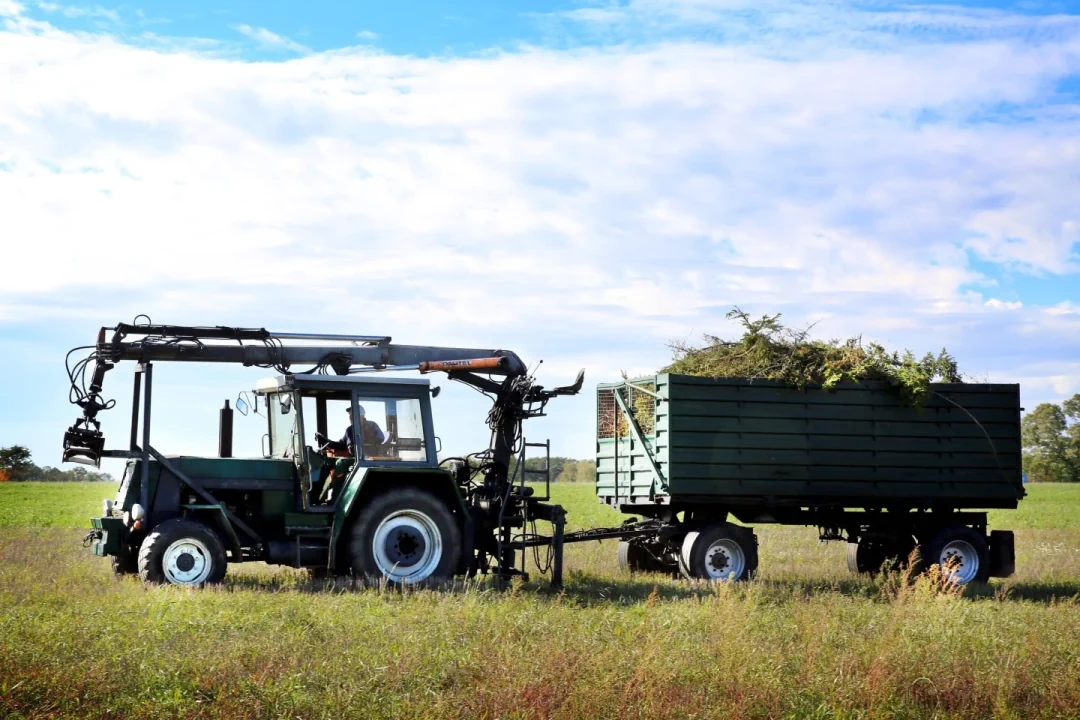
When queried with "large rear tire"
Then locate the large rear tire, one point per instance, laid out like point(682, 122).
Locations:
point(720, 552)
point(182, 552)
point(406, 536)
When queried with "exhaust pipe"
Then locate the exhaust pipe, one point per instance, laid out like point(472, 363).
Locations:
point(225, 426)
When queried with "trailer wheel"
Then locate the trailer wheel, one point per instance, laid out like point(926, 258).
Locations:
point(719, 552)
point(182, 552)
point(630, 557)
point(967, 547)
point(406, 536)
point(869, 555)
point(636, 558)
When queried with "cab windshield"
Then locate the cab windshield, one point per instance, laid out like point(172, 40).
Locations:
point(284, 428)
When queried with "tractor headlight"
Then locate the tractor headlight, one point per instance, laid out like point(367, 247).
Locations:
point(137, 512)
point(106, 508)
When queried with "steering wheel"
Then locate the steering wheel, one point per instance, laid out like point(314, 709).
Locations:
point(329, 448)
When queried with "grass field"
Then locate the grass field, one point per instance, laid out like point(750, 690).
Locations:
point(803, 640)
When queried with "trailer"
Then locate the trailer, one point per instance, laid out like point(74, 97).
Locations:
point(688, 454)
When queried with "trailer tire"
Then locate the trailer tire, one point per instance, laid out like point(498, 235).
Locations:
point(406, 536)
point(182, 552)
point(630, 557)
point(969, 546)
point(719, 552)
point(636, 558)
point(868, 556)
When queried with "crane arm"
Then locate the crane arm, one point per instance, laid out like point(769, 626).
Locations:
point(262, 348)
point(312, 352)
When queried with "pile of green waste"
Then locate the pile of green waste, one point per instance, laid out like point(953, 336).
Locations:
point(770, 350)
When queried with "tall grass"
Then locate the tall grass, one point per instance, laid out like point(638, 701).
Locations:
point(805, 640)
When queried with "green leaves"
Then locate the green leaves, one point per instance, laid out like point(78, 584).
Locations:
point(1051, 439)
point(770, 350)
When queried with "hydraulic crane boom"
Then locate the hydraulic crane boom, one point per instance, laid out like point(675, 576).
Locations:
point(515, 395)
point(259, 347)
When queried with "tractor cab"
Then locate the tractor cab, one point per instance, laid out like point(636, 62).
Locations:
point(328, 425)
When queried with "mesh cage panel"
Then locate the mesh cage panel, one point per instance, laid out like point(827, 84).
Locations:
point(605, 414)
point(611, 420)
point(644, 407)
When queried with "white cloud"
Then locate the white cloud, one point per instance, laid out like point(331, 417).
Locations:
point(10, 8)
point(272, 40)
point(1003, 305)
point(75, 11)
point(1063, 308)
point(367, 35)
point(591, 204)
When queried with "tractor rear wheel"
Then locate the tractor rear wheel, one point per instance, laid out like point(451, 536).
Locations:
point(721, 551)
point(182, 552)
point(406, 536)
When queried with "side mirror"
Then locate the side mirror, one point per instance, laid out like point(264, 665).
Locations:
point(242, 406)
point(286, 404)
point(435, 391)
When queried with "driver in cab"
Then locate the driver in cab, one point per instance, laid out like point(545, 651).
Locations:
point(345, 450)
point(371, 434)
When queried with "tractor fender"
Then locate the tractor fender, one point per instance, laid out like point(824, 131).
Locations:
point(365, 483)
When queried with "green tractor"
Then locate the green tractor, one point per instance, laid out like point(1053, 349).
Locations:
point(376, 504)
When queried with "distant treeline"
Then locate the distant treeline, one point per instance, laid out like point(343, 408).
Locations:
point(16, 465)
point(563, 469)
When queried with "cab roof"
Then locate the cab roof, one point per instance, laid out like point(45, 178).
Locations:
point(335, 382)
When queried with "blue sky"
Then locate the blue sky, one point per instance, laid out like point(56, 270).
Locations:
point(581, 182)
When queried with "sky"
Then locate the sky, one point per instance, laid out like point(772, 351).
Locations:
point(580, 182)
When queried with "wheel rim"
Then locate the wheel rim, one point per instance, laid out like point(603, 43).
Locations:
point(725, 560)
point(966, 558)
point(187, 562)
point(407, 546)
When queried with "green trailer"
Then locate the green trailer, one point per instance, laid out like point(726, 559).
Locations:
point(856, 461)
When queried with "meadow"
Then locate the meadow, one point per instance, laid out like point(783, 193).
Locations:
point(804, 640)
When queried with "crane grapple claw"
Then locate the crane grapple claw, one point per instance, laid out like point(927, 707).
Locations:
point(83, 445)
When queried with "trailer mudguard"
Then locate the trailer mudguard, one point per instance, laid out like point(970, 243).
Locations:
point(364, 482)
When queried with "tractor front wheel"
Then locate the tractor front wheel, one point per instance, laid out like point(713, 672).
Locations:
point(182, 552)
point(406, 536)
point(126, 562)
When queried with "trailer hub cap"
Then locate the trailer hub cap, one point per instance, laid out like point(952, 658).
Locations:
point(407, 546)
point(186, 562)
point(964, 559)
point(725, 559)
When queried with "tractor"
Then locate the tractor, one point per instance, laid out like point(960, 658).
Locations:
point(378, 504)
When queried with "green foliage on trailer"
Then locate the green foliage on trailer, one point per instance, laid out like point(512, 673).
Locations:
point(770, 350)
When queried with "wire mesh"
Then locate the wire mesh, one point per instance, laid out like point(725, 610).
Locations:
point(611, 420)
